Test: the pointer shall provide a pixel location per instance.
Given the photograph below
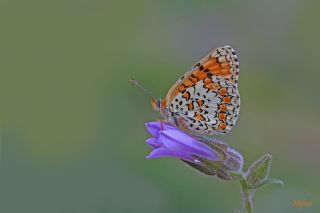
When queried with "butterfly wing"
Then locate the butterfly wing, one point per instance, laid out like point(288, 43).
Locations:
point(206, 99)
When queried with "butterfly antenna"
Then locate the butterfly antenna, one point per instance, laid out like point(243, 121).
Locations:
point(136, 83)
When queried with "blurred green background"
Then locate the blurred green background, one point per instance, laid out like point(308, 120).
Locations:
point(72, 128)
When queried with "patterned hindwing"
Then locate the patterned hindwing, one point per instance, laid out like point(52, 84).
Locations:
point(206, 99)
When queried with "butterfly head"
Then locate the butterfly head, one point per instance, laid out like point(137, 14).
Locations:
point(158, 104)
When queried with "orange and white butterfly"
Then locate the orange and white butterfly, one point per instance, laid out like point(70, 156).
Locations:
point(205, 101)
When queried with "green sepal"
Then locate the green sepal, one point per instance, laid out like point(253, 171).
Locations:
point(236, 175)
point(268, 181)
point(258, 173)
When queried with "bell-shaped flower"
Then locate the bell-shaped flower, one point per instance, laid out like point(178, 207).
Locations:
point(209, 156)
point(169, 141)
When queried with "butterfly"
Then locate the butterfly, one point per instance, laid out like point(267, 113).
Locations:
point(205, 101)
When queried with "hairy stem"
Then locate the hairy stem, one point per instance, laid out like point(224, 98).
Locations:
point(246, 196)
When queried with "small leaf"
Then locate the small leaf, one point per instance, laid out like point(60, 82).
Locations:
point(268, 181)
point(258, 173)
point(274, 181)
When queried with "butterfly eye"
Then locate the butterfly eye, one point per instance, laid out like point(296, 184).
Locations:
point(156, 104)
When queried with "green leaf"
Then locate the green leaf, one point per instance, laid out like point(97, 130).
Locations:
point(268, 181)
point(274, 181)
point(258, 172)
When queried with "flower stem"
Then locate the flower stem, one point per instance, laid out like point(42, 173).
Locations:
point(246, 196)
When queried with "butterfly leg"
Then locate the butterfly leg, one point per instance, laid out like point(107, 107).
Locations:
point(161, 124)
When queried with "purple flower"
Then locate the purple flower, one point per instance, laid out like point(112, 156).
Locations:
point(208, 155)
point(169, 141)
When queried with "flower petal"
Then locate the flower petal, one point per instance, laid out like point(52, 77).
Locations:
point(153, 128)
point(152, 142)
point(156, 126)
point(163, 152)
point(181, 142)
